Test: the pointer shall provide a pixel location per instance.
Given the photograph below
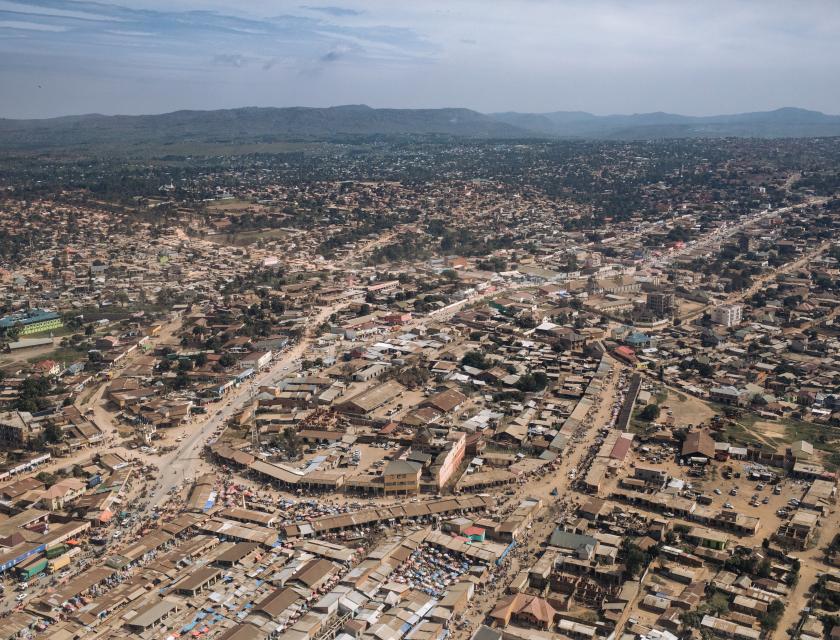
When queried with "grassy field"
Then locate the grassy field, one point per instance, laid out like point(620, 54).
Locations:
point(245, 238)
point(232, 204)
point(751, 428)
point(62, 355)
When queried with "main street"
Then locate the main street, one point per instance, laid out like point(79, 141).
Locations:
point(180, 465)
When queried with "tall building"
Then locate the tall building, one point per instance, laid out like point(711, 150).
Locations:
point(728, 315)
point(32, 321)
point(661, 303)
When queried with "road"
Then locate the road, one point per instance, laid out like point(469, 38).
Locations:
point(180, 466)
point(530, 546)
point(811, 567)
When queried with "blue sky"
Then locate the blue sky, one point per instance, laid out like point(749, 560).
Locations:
point(60, 57)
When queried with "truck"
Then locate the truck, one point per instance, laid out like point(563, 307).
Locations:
point(57, 564)
point(32, 569)
point(58, 550)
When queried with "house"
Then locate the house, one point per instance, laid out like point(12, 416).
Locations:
point(370, 400)
point(314, 574)
point(573, 544)
point(727, 395)
point(402, 476)
point(257, 360)
point(62, 493)
point(698, 445)
point(276, 603)
point(46, 368)
point(445, 401)
point(525, 609)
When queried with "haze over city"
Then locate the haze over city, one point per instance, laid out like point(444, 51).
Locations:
point(429, 320)
point(60, 57)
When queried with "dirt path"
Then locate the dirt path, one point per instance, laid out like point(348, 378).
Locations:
point(811, 567)
point(183, 464)
point(563, 505)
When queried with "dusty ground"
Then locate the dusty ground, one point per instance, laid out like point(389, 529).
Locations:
point(687, 409)
point(526, 553)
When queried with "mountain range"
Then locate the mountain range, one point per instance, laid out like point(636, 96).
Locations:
point(97, 133)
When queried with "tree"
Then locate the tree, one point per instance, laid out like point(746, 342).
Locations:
point(650, 413)
point(770, 620)
point(53, 433)
point(227, 360)
point(475, 359)
point(291, 442)
point(449, 274)
point(200, 359)
point(181, 380)
point(634, 559)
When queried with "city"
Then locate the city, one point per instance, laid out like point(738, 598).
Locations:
point(457, 320)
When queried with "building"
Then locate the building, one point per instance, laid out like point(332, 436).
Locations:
point(370, 400)
point(402, 476)
point(728, 315)
point(698, 445)
point(526, 609)
point(32, 321)
point(15, 429)
point(661, 303)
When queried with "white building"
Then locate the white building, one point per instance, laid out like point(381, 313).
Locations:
point(728, 315)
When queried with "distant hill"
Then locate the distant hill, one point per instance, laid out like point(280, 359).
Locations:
point(782, 123)
point(246, 125)
point(224, 128)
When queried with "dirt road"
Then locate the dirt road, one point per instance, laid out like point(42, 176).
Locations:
point(180, 466)
point(556, 507)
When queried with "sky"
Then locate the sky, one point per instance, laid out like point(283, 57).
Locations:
point(701, 57)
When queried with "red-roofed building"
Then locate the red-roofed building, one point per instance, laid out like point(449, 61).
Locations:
point(626, 354)
point(621, 447)
point(47, 368)
point(475, 534)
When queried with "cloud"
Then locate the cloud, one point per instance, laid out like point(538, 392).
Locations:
point(229, 60)
point(617, 56)
point(31, 26)
point(131, 34)
point(332, 56)
point(338, 12)
point(33, 9)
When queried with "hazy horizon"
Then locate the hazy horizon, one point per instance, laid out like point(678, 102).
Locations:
point(67, 57)
point(305, 106)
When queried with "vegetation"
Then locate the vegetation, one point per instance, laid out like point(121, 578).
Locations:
point(476, 359)
point(650, 412)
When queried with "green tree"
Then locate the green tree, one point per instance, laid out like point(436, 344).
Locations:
point(650, 412)
point(227, 360)
point(475, 359)
point(53, 433)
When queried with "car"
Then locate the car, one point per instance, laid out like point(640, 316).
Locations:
point(766, 500)
point(21, 597)
point(727, 505)
point(116, 534)
point(717, 492)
